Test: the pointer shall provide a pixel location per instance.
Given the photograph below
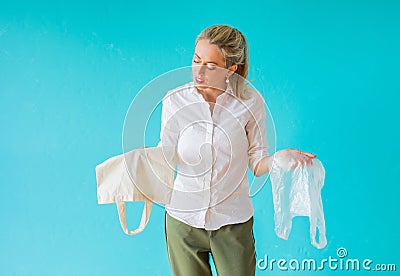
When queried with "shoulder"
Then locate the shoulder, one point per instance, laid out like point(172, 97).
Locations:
point(179, 92)
point(254, 100)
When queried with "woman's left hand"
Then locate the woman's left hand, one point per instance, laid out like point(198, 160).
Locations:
point(308, 154)
point(290, 158)
point(304, 158)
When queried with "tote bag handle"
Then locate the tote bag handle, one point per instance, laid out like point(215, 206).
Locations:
point(121, 206)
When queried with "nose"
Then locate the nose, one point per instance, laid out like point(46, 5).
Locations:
point(199, 69)
point(202, 68)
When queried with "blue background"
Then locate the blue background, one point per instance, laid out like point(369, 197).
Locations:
point(329, 72)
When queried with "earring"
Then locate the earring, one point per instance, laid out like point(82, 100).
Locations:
point(227, 80)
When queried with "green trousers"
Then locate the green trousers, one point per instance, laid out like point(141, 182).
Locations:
point(232, 248)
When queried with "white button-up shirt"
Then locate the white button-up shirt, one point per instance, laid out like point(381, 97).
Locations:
point(211, 188)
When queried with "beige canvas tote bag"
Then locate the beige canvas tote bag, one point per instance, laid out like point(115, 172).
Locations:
point(145, 174)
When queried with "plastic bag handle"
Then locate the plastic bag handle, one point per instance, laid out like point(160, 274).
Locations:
point(121, 206)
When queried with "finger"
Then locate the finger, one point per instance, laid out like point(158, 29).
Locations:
point(300, 160)
point(309, 154)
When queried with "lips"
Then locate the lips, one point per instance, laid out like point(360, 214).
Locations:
point(199, 80)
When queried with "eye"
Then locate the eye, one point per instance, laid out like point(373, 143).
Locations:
point(196, 60)
point(211, 66)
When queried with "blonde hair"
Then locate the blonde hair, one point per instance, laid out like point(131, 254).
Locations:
point(233, 46)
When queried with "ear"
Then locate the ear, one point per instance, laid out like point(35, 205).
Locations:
point(232, 69)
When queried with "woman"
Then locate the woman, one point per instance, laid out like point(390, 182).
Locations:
point(217, 124)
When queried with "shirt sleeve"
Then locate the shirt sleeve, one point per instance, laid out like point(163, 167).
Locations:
point(256, 133)
point(169, 132)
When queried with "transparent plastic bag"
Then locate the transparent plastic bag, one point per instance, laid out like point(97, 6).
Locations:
point(296, 190)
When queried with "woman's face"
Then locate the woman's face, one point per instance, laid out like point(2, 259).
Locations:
point(208, 67)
